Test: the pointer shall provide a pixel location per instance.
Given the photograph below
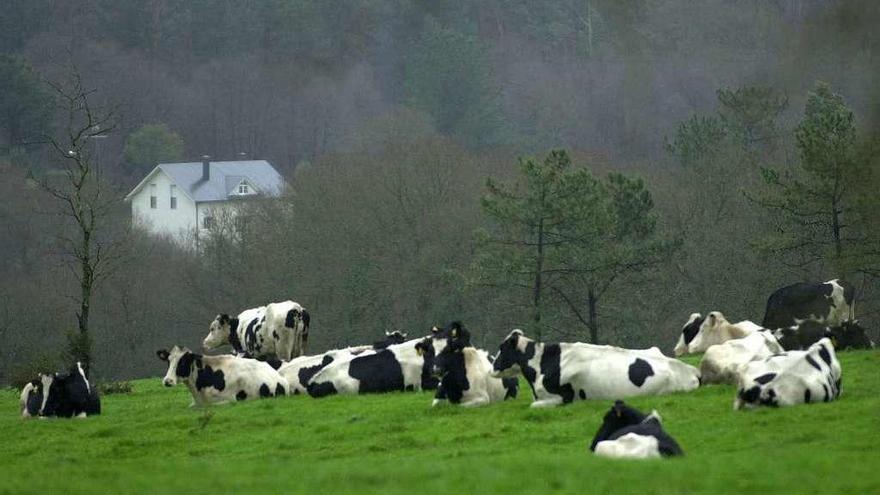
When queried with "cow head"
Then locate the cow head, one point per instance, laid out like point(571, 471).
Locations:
point(511, 356)
point(180, 364)
point(440, 337)
point(688, 332)
point(620, 416)
point(218, 332)
point(850, 335)
point(32, 398)
point(707, 333)
point(450, 358)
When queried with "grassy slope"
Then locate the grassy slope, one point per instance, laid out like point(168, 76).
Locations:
point(151, 442)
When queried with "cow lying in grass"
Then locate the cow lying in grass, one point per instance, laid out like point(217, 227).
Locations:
point(790, 378)
point(60, 394)
point(561, 373)
point(626, 433)
point(300, 371)
point(398, 367)
point(721, 361)
point(847, 335)
point(699, 333)
point(465, 372)
point(219, 379)
point(279, 330)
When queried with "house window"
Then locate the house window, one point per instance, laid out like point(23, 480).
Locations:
point(153, 199)
point(173, 197)
point(243, 189)
point(208, 223)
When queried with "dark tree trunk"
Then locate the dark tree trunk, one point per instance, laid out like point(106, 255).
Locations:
point(593, 317)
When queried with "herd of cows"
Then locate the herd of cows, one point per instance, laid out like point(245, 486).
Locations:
point(789, 359)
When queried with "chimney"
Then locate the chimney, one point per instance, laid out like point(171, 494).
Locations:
point(206, 167)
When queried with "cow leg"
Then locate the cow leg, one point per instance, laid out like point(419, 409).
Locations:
point(478, 401)
point(81, 415)
point(439, 402)
point(551, 402)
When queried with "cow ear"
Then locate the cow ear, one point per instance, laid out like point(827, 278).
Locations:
point(224, 319)
point(454, 333)
point(434, 329)
point(419, 350)
point(163, 354)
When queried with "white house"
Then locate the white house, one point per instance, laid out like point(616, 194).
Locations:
point(185, 200)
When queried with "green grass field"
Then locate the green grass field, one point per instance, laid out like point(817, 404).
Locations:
point(149, 441)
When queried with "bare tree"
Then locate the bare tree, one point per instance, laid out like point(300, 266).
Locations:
point(85, 200)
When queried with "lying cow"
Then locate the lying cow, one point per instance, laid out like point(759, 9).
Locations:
point(219, 379)
point(831, 303)
point(300, 371)
point(398, 367)
point(626, 433)
point(279, 329)
point(560, 373)
point(721, 361)
point(60, 394)
point(794, 377)
point(699, 333)
point(848, 335)
point(465, 373)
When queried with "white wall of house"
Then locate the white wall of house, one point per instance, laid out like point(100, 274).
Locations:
point(179, 222)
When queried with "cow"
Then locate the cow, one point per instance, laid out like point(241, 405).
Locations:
point(300, 370)
point(31, 399)
point(561, 373)
point(848, 335)
point(60, 394)
point(278, 329)
point(465, 373)
point(398, 367)
point(830, 303)
point(699, 333)
point(721, 361)
point(626, 433)
point(221, 379)
point(790, 378)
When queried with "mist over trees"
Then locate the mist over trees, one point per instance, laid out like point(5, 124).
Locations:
point(718, 150)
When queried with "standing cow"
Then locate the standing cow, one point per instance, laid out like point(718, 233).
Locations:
point(279, 330)
point(561, 373)
point(699, 333)
point(830, 303)
point(219, 379)
point(790, 378)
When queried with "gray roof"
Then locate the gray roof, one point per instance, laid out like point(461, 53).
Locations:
point(224, 177)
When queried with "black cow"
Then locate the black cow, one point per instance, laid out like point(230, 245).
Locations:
point(61, 394)
point(830, 303)
point(627, 433)
point(848, 335)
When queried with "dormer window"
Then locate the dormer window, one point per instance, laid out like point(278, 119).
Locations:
point(243, 189)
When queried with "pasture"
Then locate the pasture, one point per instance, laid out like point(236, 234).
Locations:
point(149, 441)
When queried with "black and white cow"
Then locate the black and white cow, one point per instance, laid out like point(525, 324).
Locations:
point(626, 433)
point(831, 303)
point(278, 329)
point(465, 373)
point(299, 371)
point(219, 379)
point(848, 335)
point(398, 367)
point(790, 378)
point(721, 361)
point(561, 373)
point(61, 394)
point(699, 333)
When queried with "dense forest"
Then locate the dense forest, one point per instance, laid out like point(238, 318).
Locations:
point(590, 170)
